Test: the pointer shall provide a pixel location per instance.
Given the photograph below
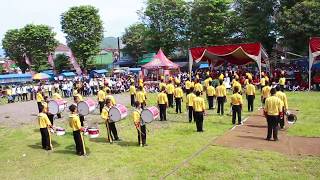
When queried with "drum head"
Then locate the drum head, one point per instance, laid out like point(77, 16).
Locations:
point(83, 108)
point(115, 115)
point(147, 116)
point(53, 107)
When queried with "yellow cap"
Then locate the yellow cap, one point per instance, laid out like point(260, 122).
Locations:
point(221, 77)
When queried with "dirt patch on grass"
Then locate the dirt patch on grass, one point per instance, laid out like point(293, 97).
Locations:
point(252, 135)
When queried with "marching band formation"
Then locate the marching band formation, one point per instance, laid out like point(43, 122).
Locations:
point(273, 98)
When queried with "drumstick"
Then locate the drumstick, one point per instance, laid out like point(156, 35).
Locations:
point(108, 131)
point(140, 134)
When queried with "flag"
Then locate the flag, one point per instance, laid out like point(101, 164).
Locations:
point(26, 59)
point(50, 60)
point(75, 65)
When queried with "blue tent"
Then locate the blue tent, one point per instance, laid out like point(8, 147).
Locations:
point(134, 70)
point(100, 71)
point(203, 66)
point(68, 74)
point(15, 78)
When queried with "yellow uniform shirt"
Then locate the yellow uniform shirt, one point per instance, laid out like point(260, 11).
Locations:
point(45, 106)
point(251, 90)
point(198, 87)
point(136, 116)
point(43, 120)
point(282, 81)
point(140, 96)
point(206, 82)
point(283, 98)
point(178, 93)
point(221, 91)
point(113, 101)
point(267, 79)
point(211, 91)
point(198, 104)
point(273, 106)
point(39, 97)
point(161, 85)
point(237, 84)
point(246, 82)
point(188, 84)
point(236, 99)
point(74, 122)
point(106, 89)
point(9, 92)
point(170, 89)
point(266, 91)
point(105, 114)
point(56, 96)
point(101, 95)
point(79, 96)
point(132, 90)
point(190, 98)
point(263, 81)
point(162, 98)
point(192, 84)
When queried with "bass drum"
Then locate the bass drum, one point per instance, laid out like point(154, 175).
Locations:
point(56, 106)
point(86, 107)
point(150, 114)
point(118, 112)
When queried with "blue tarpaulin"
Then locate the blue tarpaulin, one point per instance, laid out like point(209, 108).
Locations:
point(134, 70)
point(100, 71)
point(68, 74)
point(15, 78)
point(202, 66)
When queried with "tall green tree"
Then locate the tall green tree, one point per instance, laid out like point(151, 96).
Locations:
point(298, 23)
point(167, 21)
point(38, 41)
point(61, 62)
point(84, 30)
point(209, 22)
point(135, 38)
point(14, 48)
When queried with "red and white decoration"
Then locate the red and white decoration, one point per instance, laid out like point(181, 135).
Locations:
point(314, 54)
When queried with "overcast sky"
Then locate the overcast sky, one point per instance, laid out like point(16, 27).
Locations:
point(115, 14)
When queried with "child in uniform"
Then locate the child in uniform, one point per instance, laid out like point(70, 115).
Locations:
point(75, 124)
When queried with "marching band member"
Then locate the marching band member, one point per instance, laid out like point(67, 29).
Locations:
point(272, 111)
point(162, 101)
point(250, 94)
point(211, 93)
point(46, 110)
point(282, 81)
point(188, 86)
point(162, 84)
point(189, 104)
point(39, 98)
point(111, 127)
point(75, 124)
point(207, 81)
point(178, 94)
point(139, 124)
point(265, 93)
point(132, 91)
point(237, 84)
point(198, 87)
point(78, 98)
point(170, 91)
point(109, 96)
point(236, 104)
point(57, 96)
point(221, 93)
point(44, 124)
point(101, 98)
point(262, 81)
point(141, 97)
point(199, 111)
point(281, 95)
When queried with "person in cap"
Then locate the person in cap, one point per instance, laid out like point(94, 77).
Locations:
point(39, 98)
point(109, 96)
point(282, 81)
point(272, 111)
point(236, 104)
point(101, 98)
point(198, 86)
point(199, 111)
point(141, 97)
point(170, 91)
point(211, 93)
point(262, 81)
point(162, 101)
point(77, 129)
point(133, 92)
point(111, 126)
point(265, 93)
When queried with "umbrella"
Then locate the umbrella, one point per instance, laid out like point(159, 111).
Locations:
point(40, 76)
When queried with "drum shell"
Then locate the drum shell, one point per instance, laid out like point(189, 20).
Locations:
point(118, 112)
point(56, 106)
point(93, 132)
point(150, 114)
point(86, 107)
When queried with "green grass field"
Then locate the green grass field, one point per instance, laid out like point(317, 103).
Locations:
point(170, 143)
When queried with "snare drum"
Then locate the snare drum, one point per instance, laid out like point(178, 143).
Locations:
point(56, 106)
point(150, 114)
point(60, 131)
point(118, 112)
point(86, 107)
point(93, 132)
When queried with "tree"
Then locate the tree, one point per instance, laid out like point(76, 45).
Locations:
point(209, 22)
point(298, 23)
point(38, 41)
point(61, 62)
point(84, 30)
point(135, 38)
point(167, 22)
point(14, 48)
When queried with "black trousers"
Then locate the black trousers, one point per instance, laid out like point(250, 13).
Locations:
point(272, 127)
point(25, 96)
point(250, 99)
point(210, 102)
point(170, 100)
point(132, 100)
point(39, 105)
point(236, 110)
point(101, 105)
point(81, 120)
point(282, 88)
point(59, 115)
point(50, 93)
point(198, 117)
point(143, 135)
point(178, 105)
point(50, 116)
point(45, 139)
point(190, 108)
point(187, 91)
point(113, 130)
point(163, 113)
point(79, 141)
point(220, 108)
point(281, 120)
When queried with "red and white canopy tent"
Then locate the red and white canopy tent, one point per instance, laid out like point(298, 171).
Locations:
point(160, 63)
point(314, 54)
point(239, 54)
